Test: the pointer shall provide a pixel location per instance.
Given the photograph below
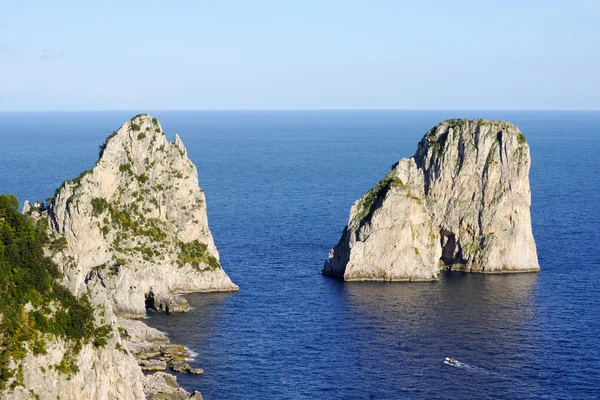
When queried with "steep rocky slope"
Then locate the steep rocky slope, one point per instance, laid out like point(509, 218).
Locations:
point(128, 234)
point(136, 225)
point(461, 202)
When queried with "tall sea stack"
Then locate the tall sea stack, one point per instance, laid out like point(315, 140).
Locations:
point(460, 203)
point(136, 224)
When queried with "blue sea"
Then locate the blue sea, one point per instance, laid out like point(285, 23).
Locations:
point(279, 186)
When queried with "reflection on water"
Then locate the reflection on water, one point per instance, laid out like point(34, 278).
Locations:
point(482, 320)
point(459, 305)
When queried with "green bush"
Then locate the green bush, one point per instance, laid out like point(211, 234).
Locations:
point(195, 253)
point(28, 276)
point(58, 244)
point(143, 178)
point(126, 168)
point(99, 205)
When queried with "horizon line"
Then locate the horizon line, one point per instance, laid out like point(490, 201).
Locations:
point(305, 109)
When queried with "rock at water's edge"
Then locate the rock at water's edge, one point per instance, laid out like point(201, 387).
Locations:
point(131, 233)
point(136, 225)
point(461, 202)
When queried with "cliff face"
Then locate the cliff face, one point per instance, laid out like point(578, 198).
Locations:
point(461, 202)
point(131, 233)
point(136, 225)
point(103, 372)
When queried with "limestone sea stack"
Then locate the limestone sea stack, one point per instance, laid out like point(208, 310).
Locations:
point(460, 203)
point(127, 235)
point(136, 226)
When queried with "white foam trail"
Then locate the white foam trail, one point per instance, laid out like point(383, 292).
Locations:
point(458, 364)
point(192, 353)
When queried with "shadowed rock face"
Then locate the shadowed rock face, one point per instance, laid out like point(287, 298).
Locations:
point(136, 225)
point(461, 202)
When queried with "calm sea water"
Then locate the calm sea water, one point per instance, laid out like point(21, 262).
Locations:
point(279, 187)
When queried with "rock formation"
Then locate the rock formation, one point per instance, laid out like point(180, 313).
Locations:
point(136, 225)
point(129, 234)
point(461, 203)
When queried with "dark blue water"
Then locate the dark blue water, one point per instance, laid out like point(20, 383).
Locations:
point(279, 186)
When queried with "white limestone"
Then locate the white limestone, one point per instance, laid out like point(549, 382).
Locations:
point(462, 202)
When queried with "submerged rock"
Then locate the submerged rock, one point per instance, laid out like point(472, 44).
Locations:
point(461, 203)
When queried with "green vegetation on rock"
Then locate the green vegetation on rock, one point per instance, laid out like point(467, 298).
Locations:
point(28, 277)
point(195, 253)
point(103, 145)
point(99, 205)
point(58, 244)
point(369, 201)
point(143, 178)
point(126, 168)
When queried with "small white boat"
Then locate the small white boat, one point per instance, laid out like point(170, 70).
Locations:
point(451, 361)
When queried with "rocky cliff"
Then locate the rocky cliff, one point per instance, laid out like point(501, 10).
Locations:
point(461, 203)
point(135, 224)
point(129, 234)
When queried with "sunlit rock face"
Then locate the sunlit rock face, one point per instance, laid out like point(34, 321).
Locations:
point(136, 225)
point(461, 202)
point(130, 233)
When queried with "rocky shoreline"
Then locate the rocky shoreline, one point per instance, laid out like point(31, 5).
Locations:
point(155, 354)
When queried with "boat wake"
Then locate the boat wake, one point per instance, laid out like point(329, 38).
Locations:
point(457, 364)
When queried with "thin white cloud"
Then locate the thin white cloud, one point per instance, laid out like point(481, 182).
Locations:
point(52, 55)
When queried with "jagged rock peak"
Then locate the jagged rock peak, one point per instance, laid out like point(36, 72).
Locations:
point(461, 202)
point(130, 233)
point(136, 225)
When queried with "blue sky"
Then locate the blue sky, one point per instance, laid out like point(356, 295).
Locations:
point(68, 55)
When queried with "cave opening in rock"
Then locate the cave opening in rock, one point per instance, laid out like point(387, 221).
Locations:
point(150, 301)
point(452, 253)
point(448, 242)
